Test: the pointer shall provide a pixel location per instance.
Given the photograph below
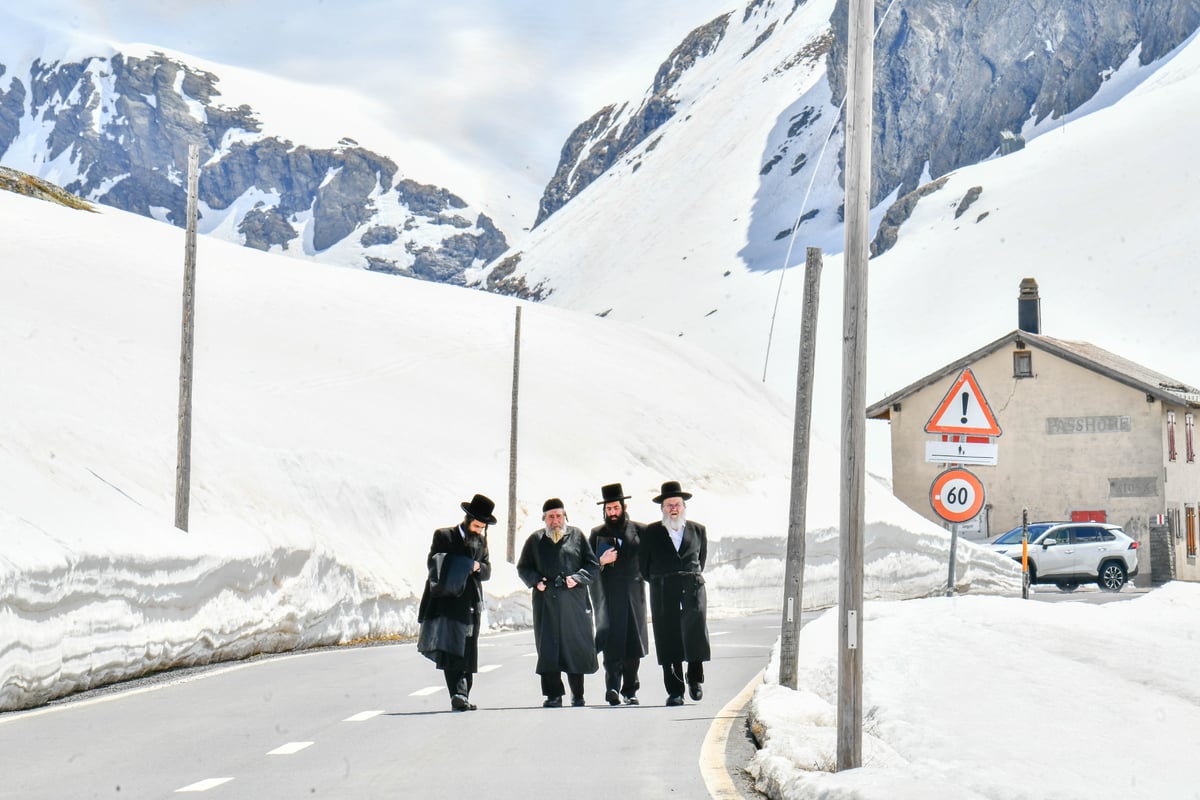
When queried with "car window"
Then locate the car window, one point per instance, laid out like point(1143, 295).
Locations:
point(1060, 535)
point(1107, 536)
point(1086, 535)
point(1014, 536)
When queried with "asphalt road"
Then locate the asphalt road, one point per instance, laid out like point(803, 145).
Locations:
point(375, 722)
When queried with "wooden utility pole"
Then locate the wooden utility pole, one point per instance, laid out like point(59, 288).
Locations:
point(183, 467)
point(512, 444)
point(793, 576)
point(859, 92)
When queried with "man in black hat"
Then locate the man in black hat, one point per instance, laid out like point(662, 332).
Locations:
point(557, 564)
point(673, 554)
point(451, 614)
point(621, 636)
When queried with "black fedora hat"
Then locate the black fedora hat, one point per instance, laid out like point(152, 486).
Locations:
point(480, 508)
point(612, 493)
point(672, 489)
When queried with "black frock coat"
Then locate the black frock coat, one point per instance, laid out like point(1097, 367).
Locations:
point(450, 625)
point(678, 599)
point(563, 628)
point(622, 634)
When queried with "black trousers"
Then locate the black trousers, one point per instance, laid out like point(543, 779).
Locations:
point(552, 684)
point(458, 682)
point(621, 675)
point(673, 676)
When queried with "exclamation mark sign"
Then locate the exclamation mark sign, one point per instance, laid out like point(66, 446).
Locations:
point(965, 398)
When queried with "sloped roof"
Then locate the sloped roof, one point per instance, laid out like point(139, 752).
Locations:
point(1085, 354)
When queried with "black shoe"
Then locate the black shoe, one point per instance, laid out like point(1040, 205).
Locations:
point(675, 700)
point(577, 701)
point(612, 697)
point(553, 702)
point(631, 700)
point(695, 691)
point(459, 702)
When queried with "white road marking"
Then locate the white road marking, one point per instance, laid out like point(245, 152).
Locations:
point(362, 716)
point(428, 690)
point(489, 667)
point(531, 655)
point(290, 748)
point(204, 785)
point(719, 633)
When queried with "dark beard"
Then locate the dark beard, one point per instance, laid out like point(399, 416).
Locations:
point(616, 525)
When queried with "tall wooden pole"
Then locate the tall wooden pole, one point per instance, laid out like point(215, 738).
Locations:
point(183, 467)
point(859, 92)
point(793, 576)
point(512, 444)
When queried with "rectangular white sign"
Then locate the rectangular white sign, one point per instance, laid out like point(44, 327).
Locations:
point(977, 453)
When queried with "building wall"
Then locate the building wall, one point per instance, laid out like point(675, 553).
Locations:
point(1072, 440)
point(1182, 492)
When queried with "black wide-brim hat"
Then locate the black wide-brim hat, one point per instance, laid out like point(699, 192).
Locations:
point(612, 493)
point(480, 508)
point(672, 489)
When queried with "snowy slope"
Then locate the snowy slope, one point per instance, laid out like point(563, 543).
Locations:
point(1097, 208)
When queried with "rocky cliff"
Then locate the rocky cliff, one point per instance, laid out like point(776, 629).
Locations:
point(115, 130)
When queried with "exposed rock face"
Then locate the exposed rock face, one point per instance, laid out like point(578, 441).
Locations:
point(955, 82)
point(124, 125)
point(600, 142)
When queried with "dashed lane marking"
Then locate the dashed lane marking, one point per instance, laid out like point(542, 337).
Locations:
point(428, 690)
point(489, 667)
point(291, 748)
point(204, 785)
point(363, 716)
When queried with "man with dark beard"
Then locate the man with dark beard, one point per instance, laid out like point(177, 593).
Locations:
point(623, 640)
point(673, 554)
point(557, 564)
point(450, 622)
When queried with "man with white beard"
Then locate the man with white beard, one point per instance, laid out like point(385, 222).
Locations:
point(673, 555)
point(557, 564)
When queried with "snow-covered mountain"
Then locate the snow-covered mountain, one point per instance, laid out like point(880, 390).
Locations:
point(113, 124)
point(1072, 152)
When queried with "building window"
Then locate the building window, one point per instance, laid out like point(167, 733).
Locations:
point(1022, 364)
point(1172, 455)
point(1191, 443)
point(1190, 512)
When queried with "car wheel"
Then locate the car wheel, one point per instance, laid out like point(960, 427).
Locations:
point(1068, 586)
point(1112, 577)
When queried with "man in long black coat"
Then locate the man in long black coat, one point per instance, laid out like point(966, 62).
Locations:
point(623, 640)
point(557, 564)
point(450, 623)
point(673, 554)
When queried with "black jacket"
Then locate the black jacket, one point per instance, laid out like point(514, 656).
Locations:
point(621, 601)
point(447, 622)
point(678, 599)
point(563, 628)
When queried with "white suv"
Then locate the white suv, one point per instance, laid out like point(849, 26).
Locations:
point(1070, 553)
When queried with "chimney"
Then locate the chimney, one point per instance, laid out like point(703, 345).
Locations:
point(1029, 307)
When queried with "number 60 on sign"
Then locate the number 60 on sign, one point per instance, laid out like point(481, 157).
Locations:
point(956, 495)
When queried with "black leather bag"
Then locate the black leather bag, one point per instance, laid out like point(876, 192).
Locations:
point(448, 574)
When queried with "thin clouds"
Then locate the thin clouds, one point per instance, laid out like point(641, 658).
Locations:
point(497, 86)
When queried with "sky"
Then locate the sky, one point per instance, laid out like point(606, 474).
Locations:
point(490, 89)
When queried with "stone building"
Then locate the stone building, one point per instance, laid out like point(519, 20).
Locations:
point(1086, 435)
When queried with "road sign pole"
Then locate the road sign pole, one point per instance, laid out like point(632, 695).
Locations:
point(953, 556)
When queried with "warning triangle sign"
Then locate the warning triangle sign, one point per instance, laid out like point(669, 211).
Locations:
point(964, 410)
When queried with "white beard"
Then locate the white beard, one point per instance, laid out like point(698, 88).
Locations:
point(674, 524)
point(561, 531)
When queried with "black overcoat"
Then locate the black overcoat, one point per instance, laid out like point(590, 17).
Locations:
point(563, 629)
point(450, 625)
point(678, 600)
point(623, 632)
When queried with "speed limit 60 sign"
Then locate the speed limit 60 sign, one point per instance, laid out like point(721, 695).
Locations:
point(956, 495)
